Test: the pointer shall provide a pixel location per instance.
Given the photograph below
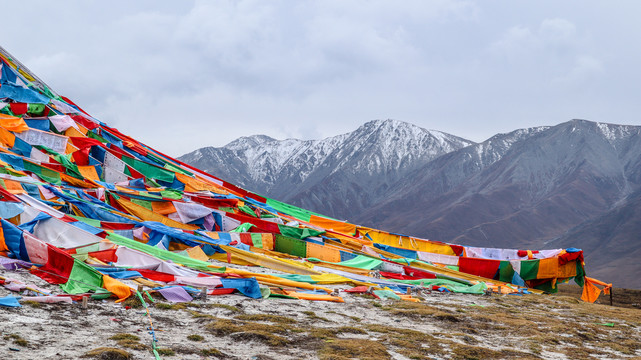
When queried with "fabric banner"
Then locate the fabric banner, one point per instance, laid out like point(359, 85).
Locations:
point(189, 212)
point(363, 262)
point(175, 294)
point(292, 210)
point(113, 162)
point(157, 254)
point(229, 224)
point(111, 175)
point(406, 242)
point(149, 170)
point(37, 249)
point(438, 258)
point(479, 267)
point(248, 287)
point(208, 281)
point(508, 254)
point(13, 123)
point(290, 246)
point(63, 234)
point(9, 301)
point(62, 122)
point(82, 279)
point(392, 268)
point(63, 107)
point(324, 253)
point(10, 209)
point(120, 290)
point(298, 233)
point(57, 143)
point(22, 94)
point(338, 226)
point(148, 215)
point(39, 156)
point(58, 267)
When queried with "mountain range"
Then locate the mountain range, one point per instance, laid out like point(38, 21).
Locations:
point(576, 184)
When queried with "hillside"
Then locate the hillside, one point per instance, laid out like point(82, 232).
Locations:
point(442, 326)
point(523, 189)
point(340, 176)
point(551, 181)
point(110, 249)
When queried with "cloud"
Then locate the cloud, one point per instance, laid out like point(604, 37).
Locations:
point(553, 38)
point(251, 63)
point(552, 55)
point(203, 73)
point(583, 71)
point(558, 31)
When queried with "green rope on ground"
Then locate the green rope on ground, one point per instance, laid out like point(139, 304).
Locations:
point(154, 341)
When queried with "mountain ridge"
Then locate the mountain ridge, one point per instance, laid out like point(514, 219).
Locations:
point(381, 148)
point(520, 189)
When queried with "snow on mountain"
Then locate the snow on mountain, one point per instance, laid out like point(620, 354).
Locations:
point(579, 181)
point(261, 163)
point(391, 145)
point(515, 190)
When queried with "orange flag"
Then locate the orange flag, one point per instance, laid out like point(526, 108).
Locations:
point(116, 287)
point(13, 123)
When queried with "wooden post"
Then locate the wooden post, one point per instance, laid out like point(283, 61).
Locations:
point(500, 292)
point(140, 289)
point(409, 291)
point(611, 296)
point(84, 302)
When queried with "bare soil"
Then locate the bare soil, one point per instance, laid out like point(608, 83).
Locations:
point(441, 326)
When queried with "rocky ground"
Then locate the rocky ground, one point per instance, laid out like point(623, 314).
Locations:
point(441, 326)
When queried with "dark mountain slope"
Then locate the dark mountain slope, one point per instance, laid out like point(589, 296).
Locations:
point(338, 176)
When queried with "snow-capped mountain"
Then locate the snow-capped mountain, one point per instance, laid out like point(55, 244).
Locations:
point(363, 164)
point(527, 188)
point(574, 184)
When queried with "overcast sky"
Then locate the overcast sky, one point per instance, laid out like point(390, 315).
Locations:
point(179, 75)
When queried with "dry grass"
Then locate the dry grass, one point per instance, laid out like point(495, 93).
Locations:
point(261, 336)
point(129, 341)
point(200, 315)
point(132, 344)
point(411, 343)
point(319, 333)
point(33, 304)
point(267, 317)
point(231, 308)
point(531, 324)
point(166, 351)
point(132, 302)
point(223, 327)
point(419, 310)
point(166, 306)
point(468, 352)
point(312, 316)
point(17, 339)
point(195, 337)
point(249, 331)
point(622, 298)
point(125, 336)
point(108, 353)
point(177, 306)
point(342, 349)
point(322, 333)
point(211, 352)
point(497, 327)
